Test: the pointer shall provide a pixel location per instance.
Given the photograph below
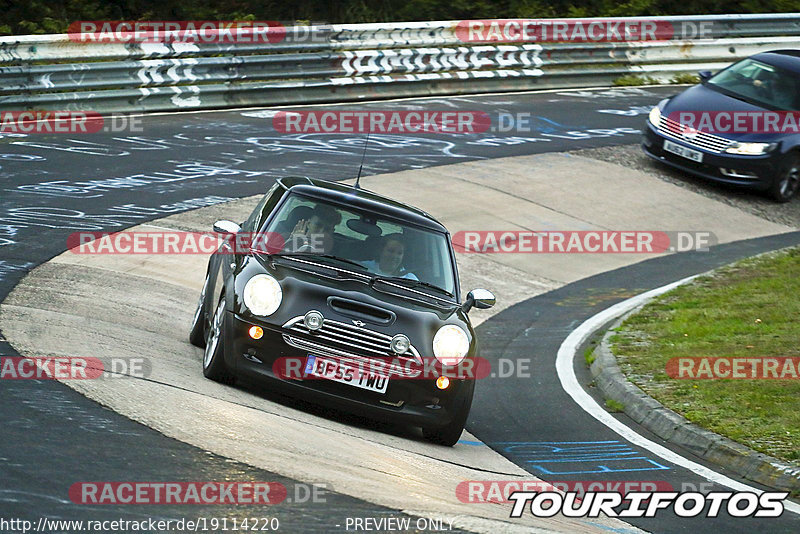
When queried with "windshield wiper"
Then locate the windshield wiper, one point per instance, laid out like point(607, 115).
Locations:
point(411, 283)
point(338, 258)
point(311, 255)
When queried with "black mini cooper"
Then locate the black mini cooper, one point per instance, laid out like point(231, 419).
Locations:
point(348, 297)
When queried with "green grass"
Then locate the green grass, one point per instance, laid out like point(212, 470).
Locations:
point(589, 356)
point(748, 309)
point(685, 78)
point(633, 80)
point(614, 406)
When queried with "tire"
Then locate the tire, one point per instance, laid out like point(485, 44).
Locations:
point(449, 434)
point(214, 355)
point(197, 334)
point(787, 185)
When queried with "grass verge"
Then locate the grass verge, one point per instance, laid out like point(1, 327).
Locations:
point(747, 309)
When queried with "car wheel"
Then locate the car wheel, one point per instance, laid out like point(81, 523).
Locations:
point(214, 356)
point(786, 186)
point(450, 434)
point(197, 334)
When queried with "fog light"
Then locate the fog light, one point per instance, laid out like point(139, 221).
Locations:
point(256, 332)
point(442, 382)
point(313, 320)
point(400, 344)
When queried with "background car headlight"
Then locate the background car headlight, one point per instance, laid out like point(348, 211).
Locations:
point(262, 295)
point(750, 149)
point(655, 116)
point(450, 344)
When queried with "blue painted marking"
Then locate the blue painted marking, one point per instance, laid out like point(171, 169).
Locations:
point(610, 529)
point(474, 443)
point(596, 457)
point(649, 465)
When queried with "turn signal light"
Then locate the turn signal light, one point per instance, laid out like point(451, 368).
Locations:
point(442, 382)
point(256, 332)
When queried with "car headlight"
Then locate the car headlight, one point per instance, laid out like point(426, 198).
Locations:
point(749, 149)
point(655, 116)
point(450, 344)
point(262, 295)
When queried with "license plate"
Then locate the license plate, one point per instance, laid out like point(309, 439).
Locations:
point(346, 374)
point(688, 153)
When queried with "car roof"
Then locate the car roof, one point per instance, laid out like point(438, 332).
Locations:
point(785, 59)
point(360, 199)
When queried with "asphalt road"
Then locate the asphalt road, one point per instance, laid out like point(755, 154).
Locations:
point(54, 185)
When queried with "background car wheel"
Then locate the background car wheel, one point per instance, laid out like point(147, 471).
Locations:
point(450, 434)
point(786, 186)
point(197, 334)
point(214, 356)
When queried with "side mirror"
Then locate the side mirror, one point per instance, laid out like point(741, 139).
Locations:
point(226, 227)
point(482, 299)
point(704, 75)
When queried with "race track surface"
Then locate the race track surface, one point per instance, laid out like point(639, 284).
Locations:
point(519, 428)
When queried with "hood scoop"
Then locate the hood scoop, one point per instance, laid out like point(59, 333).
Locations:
point(361, 311)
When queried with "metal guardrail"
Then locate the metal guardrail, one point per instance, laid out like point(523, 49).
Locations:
point(354, 62)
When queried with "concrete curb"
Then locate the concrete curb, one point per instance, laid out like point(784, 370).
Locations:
point(676, 429)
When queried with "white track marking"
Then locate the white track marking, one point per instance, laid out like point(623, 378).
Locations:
point(566, 374)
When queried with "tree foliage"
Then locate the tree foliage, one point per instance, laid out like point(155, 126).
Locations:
point(54, 16)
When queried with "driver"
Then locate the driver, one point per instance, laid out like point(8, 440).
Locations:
point(390, 258)
point(778, 89)
point(314, 234)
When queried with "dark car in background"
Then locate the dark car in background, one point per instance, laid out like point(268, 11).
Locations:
point(379, 287)
point(765, 159)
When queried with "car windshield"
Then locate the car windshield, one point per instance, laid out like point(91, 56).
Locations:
point(360, 241)
point(760, 83)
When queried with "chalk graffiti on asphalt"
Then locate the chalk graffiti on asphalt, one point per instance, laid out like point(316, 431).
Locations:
point(8, 267)
point(115, 216)
point(617, 92)
point(182, 171)
point(570, 135)
point(632, 111)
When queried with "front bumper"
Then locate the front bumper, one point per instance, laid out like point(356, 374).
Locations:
point(412, 400)
point(753, 172)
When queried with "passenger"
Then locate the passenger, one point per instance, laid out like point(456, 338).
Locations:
point(390, 258)
point(315, 234)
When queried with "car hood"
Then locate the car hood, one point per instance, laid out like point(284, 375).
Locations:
point(353, 302)
point(701, 98)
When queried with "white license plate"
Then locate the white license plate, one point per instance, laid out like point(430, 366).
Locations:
point(688, 153)
point(346, 374)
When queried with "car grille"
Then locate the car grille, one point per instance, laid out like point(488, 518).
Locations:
point(344, 340)
point(706, 141)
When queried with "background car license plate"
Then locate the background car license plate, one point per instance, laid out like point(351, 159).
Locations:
point(694, 155)
point(346, 374)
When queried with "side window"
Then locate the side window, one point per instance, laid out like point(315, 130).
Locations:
point(264, 207)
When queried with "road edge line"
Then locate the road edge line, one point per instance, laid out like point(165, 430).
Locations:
point(569, 382)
